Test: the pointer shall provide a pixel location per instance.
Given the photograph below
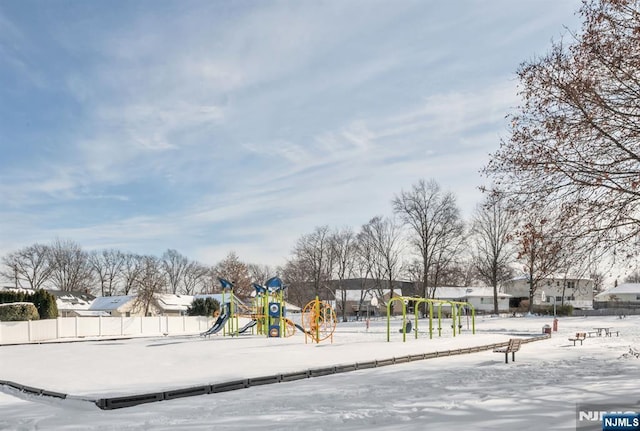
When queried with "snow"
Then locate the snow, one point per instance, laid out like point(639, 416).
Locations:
point(539, 391)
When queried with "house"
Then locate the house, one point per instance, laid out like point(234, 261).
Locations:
point(363, 303)
point(163, 304)
point(124, 305)
point(173, 305)
point(624, 293)
point(557, 288)
point(71, 304)
point(480, 298)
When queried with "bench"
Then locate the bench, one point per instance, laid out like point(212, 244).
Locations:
point(512, 347)
point(580, 336)
point(592, 333)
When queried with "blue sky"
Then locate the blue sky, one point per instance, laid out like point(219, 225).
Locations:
point(211, 126)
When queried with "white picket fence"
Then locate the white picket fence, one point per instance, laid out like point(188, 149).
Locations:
point(68, 328)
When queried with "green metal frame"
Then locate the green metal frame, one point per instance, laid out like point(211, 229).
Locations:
point(456, 307)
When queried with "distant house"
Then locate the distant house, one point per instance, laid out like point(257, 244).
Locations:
point(163, 304)
point(173, 305)
point(361, 303)
point(627, 292)
point(480, 298)
point(558, 288)
point(117, 306)
point(71, 304)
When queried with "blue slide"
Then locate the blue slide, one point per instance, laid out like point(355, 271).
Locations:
point(248, 326)
point(222, 319)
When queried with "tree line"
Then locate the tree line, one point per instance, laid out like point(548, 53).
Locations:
point(64, 265)
point(425, 242)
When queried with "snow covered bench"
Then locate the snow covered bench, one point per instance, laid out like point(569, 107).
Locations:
point(512, 347)
point(580, 336)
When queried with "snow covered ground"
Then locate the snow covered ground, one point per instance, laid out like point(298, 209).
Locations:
point(475, 391)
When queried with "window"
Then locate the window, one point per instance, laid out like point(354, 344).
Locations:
point(558, 298)
point(571, 284)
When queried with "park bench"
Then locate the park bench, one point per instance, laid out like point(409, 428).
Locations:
point(512, 347)
point(580, 336)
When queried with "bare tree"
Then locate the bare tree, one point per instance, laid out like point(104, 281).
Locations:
point(30, 265)
point(366, 267)
point(107, 267)
point(540, 245)
point(383, 236)
point(71, 270)
point(299, 279)
point(343, 248)
point(493, 237)
point(575, 139)
point(437, 230)
point(131, 270)
point(173, 266)
point(149, 282)
point(232, 269)
point(193, 277)
point(312, 252)
point(260, 273)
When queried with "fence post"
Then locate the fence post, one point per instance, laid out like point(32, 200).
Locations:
point(76, 329)
point(29, 330)
point(99, 326)
point(58, 323)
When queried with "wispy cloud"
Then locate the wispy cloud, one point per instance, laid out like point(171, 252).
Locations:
point(211, 126)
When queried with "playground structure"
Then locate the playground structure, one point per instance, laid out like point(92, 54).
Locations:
point(318, 321)
point(227, 320)
point(457, 308)
point(268, 314)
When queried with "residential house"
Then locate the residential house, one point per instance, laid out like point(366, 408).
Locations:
point(480, 298)
point(559, 289)
point(71, 304)
point(173, 305)
point(116, 306)
point(624, 295)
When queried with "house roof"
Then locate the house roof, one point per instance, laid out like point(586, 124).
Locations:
point(109, 303)
point(218, 297)
point(72, 300)
point(65, 300)
point(171, 302)
point(366, 295)
point(556, 276)
point(629, 288)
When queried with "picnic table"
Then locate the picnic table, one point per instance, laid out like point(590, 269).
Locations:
point(606, 331)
